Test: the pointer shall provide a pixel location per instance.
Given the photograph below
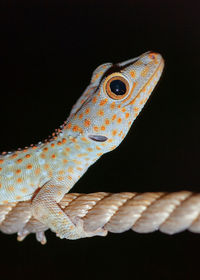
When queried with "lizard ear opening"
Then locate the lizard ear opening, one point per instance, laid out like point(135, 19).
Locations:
point(98, 138)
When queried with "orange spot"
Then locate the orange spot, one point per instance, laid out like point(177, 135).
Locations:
point(94, 100)
point(37, 171)
point(132, 73)
point(103, 102)
point(100, 113)
point(53, 156)
point(14, 156)
point(96, 128)
point(112, 106)
point(79, 168)
point(11, 189)
point(136, 109)
point(46, 166)
point(0, 185)
point(120, 134)
point(70, 170)
point(81, 116)
point(69, 125)
point(114, 132)
point(69, 177)
point(119, 120)
point(107, 122)
point(0, 168)
point(28, 156)
point(123, 110)
point(1, 160)
point(113, 147)
point(52, 145)
point(42, 155)
point(61, 172)
point(89, 149)
point(67, 149)
point(50, 173)
point(33, 148)
point(82, 155)
point(59, 193)
point(75, 128)
point(19, 160)
point(127, 115)
point(59, 143)
point(19, 180)
point(99, 154)
point(29, 166)
point(71, 227)
point(60, 178)
point(119, 106)
point(24, 190)
point(145, 71)
point(65, 161)
point(77, 147)
point(84, 139)
point(87, 122)
point(98, 148)
point(45, 149)
point(103, 127)
point(64, 140)
point(114, 117)
point(87, 110)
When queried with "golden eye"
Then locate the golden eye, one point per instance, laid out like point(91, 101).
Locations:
point(117, 87)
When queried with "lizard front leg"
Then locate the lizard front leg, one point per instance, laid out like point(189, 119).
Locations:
point(45, 208)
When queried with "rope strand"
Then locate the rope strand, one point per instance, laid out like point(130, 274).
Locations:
point(147, 212)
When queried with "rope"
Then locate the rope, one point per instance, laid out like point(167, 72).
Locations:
point(147, 212)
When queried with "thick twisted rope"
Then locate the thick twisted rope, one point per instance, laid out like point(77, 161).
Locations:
point(168, 212)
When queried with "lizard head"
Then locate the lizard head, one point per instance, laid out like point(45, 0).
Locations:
point(114, 98)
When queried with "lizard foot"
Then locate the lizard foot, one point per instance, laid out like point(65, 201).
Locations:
point(79, 232)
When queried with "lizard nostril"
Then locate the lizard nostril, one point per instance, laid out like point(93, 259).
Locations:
point(98, 138)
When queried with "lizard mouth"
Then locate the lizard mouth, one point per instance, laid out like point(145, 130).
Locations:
point(98, 138)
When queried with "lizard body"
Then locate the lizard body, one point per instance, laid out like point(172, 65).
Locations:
point(97, 124)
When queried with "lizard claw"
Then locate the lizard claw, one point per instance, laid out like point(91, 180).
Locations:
point(40, 236)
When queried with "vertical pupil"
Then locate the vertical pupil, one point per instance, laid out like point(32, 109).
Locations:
point(118, 87)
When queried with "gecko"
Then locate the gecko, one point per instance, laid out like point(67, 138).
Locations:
point(97, 124)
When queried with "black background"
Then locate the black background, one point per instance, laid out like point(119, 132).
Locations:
point(48, 52)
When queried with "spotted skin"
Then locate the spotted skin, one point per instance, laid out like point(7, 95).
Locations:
point(97, 124)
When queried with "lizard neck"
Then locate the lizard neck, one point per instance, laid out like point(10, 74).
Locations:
point(71, 153)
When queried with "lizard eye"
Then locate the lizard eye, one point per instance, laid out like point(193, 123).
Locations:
point(117, 87)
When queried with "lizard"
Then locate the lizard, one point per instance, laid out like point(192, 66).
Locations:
point(97, 124)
